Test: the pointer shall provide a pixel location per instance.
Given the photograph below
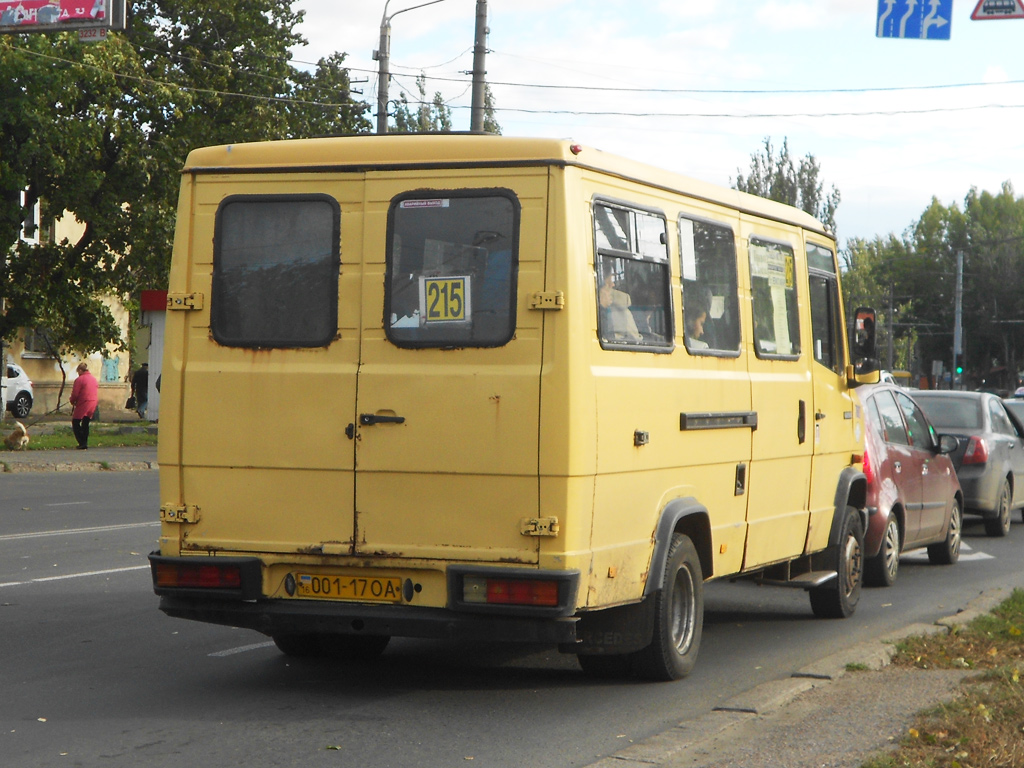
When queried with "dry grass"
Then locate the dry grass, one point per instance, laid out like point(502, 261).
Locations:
point(984, 726)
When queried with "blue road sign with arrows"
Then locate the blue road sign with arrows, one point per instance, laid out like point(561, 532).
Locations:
point(918, 19)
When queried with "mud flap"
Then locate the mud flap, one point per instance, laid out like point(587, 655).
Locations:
point(614, 631)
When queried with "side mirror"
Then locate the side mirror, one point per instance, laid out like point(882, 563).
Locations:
point(862, 344)
point(864, 335)
point(948, 443)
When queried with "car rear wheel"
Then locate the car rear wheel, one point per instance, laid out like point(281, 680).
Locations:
point(343, 647)
point(948, 552)
point(22, 405)
point(1000, 524)
point(881, 570)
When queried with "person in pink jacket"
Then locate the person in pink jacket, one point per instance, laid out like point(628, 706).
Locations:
point(85, 398)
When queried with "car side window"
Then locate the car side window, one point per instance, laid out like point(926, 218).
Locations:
point(892, 423)
point(920, 431)
point(1000, 421)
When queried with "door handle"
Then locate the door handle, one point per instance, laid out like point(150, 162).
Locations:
point(819, 415)
point(369, 419)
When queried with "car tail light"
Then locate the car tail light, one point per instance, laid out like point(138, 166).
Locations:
point(501, 591)
point(869, 471)
point(977, 451)
point(189, 576)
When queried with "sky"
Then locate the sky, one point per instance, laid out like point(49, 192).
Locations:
point(696, 86)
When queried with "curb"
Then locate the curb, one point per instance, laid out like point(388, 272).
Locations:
point(672, 746)
point(88, 466)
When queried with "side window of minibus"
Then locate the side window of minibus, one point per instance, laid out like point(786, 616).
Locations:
point(632, 278)
point(774, 299)
point(826, 330)
point(707, 269)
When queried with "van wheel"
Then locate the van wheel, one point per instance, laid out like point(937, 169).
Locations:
point(838, 599)
point(1000, 524)
point(881, 570)
point(342, 647)
point(605, 667)
point(678, 617)
point(948, 552)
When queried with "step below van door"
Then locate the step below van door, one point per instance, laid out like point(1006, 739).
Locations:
point(268, 364)
point(448, 396)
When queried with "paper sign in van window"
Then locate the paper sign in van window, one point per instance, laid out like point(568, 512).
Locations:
point(445, 299)
point(419, 204)
point(687, 251)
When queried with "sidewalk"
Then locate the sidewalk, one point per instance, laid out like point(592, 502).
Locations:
point(72, 460)
point(834, 713)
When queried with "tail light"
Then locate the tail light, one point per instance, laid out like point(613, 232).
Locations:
point(977, 451)
point(869, 471)
point(198, 576)
point(510, 591)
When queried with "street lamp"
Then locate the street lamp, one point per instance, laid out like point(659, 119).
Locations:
point(382, 55)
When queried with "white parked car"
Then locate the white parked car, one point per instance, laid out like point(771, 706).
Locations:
point(20, 394)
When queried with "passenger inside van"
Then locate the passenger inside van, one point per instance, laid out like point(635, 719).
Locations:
point(695, 319)
point(618, 322)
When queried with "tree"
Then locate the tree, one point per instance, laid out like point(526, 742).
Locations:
point(102, 131)
point(776, 178)
point(429, 116)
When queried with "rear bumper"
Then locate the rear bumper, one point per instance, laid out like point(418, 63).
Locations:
point(273, 617)
point(981, 489)
point(239, 601)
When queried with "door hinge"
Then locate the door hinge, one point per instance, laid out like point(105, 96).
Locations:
point(184, 301)
point(539, 526)
point(179, 513)
point(548, 300)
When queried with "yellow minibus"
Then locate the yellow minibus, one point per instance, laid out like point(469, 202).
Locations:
point(466, 386)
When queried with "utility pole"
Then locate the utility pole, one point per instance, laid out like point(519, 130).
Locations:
point(476, 122)
point(889, 348)
point(383, 58)
point(958, 308)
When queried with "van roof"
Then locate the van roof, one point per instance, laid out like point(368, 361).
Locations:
point(401, 151)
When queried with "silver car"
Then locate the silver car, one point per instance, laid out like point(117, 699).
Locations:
point(989, 458)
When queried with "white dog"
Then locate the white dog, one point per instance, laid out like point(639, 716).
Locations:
point(18, 439)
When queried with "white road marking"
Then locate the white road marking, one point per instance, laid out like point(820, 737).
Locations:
point(69, 504)
point(921, 555)
point(75, 531)
point(74, 576)
point(242, 649)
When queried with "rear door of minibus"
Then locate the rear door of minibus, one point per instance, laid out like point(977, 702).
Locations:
point(446, 427)
point(268, 362)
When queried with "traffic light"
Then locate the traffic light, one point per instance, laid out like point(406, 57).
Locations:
point(959, 370)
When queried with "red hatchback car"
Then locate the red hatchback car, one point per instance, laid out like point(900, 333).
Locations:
point(914, 497)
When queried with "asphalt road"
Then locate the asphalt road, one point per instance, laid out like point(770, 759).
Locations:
point(91, 673)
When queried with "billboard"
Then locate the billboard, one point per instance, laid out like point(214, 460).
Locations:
point(19, 16)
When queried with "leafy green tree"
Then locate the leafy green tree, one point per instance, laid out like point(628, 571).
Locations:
point(777, 178)
point(491, 124)
point(102, 131)
point(422, 116)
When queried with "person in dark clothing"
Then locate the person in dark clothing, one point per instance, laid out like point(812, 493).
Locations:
point(140, 389)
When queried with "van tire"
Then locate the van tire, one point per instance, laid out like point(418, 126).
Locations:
point(838, 599)
point(341, 647)
point(678, 617)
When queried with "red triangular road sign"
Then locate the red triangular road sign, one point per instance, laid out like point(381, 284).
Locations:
point(998, 9)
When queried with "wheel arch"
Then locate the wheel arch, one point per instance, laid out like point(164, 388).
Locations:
point(852, 491)
point(689, 517)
